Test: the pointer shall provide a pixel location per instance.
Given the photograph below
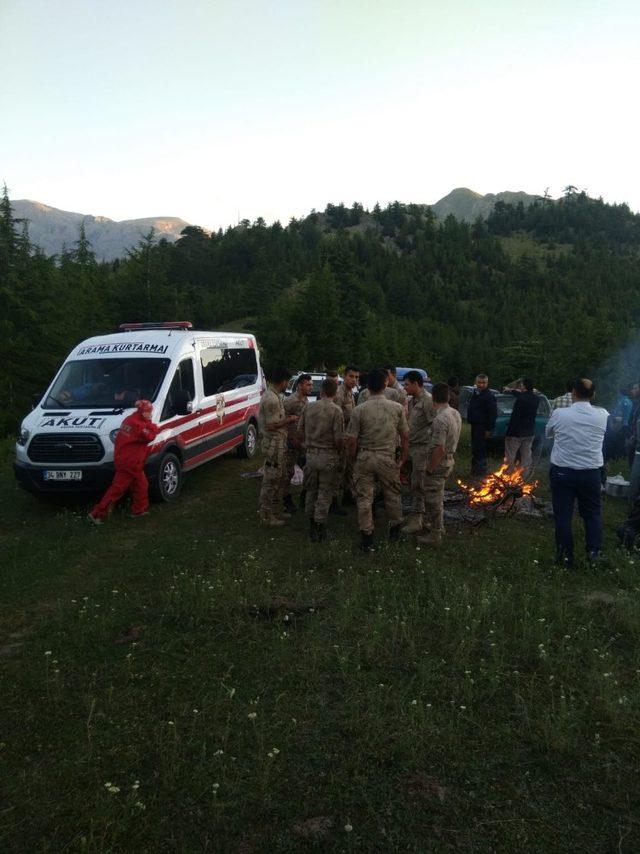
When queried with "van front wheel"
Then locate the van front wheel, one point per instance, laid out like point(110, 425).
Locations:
point(167, 483)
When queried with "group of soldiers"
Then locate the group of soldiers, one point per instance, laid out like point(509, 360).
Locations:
point(355, 445)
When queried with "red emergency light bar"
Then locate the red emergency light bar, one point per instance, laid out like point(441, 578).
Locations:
point(169, 324)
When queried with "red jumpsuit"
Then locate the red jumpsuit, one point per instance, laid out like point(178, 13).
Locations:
point(130, 453)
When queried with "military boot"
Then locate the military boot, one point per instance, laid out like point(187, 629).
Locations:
point(289, 506)
point(433, 538)
point(313, 531)
point(336, 509)
point(270, 520)
point(394, 532)
point(414, 525)
point(366, 544)
point(323, 534)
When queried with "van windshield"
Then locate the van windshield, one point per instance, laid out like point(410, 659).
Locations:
point(113, 383)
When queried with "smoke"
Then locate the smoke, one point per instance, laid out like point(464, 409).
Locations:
point(620, 369)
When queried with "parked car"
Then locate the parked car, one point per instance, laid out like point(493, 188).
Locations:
point(402, 372)
point(316, 379)
point(505, 408)
point(205, 388)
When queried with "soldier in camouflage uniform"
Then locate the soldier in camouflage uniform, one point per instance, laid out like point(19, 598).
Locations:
point(372, 432)
point(362, 386)
point(294, 405)
point(394, 385)
point(445, 433)
point(346, 402)
point(321, 429)
point(273, 422)
point(421, 415)
point(391, 393)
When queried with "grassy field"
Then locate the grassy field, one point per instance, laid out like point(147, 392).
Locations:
point(519, 244)
point(191, 682)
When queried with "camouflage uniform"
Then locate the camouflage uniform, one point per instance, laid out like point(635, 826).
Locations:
point(273, 447)
point(400, 391)
point(323, 427)
point(390, 393)
point(293, 405)
point(344, 399)
point(421, 415)
point(445, 430)
point(375, 424)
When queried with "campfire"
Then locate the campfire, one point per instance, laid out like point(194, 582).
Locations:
point(499, 488)
point(501, 492)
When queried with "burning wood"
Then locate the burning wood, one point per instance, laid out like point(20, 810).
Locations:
point(501, 488)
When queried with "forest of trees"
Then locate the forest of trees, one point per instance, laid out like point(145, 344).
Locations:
point(552, 290)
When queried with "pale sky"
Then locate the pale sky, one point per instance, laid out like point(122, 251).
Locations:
point(215, 111)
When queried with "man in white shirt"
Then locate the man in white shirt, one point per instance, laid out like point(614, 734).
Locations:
point(576, 458)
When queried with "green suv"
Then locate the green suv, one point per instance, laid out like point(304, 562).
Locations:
point(505, 408)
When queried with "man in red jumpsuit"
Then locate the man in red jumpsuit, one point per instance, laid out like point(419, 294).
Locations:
point(130, 453)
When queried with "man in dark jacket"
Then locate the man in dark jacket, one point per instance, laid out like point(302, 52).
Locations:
point(481, 415)
point(522, 426)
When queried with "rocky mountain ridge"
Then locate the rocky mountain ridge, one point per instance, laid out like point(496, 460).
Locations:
point(468, 205)
point(52, 229)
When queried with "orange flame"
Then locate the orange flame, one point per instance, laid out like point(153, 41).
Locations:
point(494, 487)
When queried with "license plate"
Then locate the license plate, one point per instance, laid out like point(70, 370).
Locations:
point(57, 474)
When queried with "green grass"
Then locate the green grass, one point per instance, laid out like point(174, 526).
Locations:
point(467, 699)
point(521, 243)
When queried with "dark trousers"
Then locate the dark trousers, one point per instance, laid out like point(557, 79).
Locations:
point(567, 487)
point(478, 449)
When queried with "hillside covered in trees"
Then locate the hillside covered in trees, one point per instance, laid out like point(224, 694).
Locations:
point(552, 289)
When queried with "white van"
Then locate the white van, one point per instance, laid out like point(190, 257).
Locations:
point(205, 388)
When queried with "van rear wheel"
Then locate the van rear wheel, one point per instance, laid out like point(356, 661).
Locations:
point(167, 483)
point(249, 446)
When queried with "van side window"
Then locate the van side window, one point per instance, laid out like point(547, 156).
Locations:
point(223, 370)
point(183, 379)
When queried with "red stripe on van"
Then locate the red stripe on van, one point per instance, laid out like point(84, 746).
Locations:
point(227, 422)
point(213, 452)
point(209, 409)
point(194, 435)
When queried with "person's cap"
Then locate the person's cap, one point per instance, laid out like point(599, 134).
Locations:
point(144, 405)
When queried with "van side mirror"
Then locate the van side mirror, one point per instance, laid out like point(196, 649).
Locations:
point(182, 402)
point(35, 400)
